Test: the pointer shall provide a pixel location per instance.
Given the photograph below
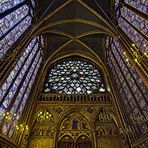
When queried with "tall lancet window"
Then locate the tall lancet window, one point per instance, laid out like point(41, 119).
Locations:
point(17, 86)
point(133, 92)
point(132, 18)
point(15, 18)
point(74, 77)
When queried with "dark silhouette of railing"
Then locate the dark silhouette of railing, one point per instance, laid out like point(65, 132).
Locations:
point(101, 97)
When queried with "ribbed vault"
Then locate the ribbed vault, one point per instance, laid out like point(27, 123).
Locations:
point(74, 26)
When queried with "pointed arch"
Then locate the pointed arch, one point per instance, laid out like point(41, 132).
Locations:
point(16, 88)
point(71, 111)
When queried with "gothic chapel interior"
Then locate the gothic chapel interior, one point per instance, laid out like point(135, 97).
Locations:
point(73, 73)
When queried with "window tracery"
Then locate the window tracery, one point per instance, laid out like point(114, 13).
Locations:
point(17, 86)
point(138, 4)
point(133, 24)
point(13, 23)
point(8, 4)
point(75, 77)
point(130, 85)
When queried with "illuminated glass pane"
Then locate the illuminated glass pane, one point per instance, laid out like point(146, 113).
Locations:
point(140, 23)
point(137, 38)
point(33, 3)
point(5, 128)
point(135, 84)
point(13, 35)
point(19, 78)
point(75, 77)
point(141, 5)
point(139, 92)
point(26, 84)
point(22, 105)
point(130, 85)
point(8, 4)
point(17, 67)
point(120, 79)
point(29, 83)
point(116, 3)
point(31, 52)
point(2, 113)
point(12, 19)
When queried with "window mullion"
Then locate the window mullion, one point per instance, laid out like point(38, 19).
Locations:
point(140, 13)
point(3, 14)
point(121, 85)
point(16, 76)
point(13, 27)
point(134, 28)
point(18, 89)
point(127, 84)
point(131, 73)
point(25, 89)
point(27, 85)
point(121, 105)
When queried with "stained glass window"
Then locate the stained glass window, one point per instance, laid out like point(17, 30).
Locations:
point(141, 5)
point(18, 84)
point(131, 87)
point(33, 3)
point(13, 23)
point(137, 21)
point(117, 3)
point(74, 77)
point(8, 4)
point(133, 24)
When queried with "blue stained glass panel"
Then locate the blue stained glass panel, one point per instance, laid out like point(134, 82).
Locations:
point(12, 37)
point(116, 3)
point(132, 78)
point(33, 3)
point(137, 38)
point(8, 4)
point(141, 5)
point(18, 80)
point(23, 88)
point(12, 19)
point(35, 66)
point(140, 23)
point(24, 91)
point(17, 67)
point(22, 105)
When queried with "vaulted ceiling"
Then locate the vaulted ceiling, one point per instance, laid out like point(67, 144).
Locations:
point(75, 26)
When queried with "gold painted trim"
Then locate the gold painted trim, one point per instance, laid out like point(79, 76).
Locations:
point(91, 33)
point(96, 14)
point(76, 20)
point(59, 32)
point(91, 50)
point(52, 14)
point(78, 36)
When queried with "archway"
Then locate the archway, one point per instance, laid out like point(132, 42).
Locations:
point(42, 131)
point(75, 131)
point(83, 142)
point(106, 130)
point(66, 142)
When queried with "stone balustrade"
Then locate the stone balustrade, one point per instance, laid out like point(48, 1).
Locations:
point(101, 97)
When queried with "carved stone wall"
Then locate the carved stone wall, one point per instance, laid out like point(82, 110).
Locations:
point(43, 131)
point(52, 121)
